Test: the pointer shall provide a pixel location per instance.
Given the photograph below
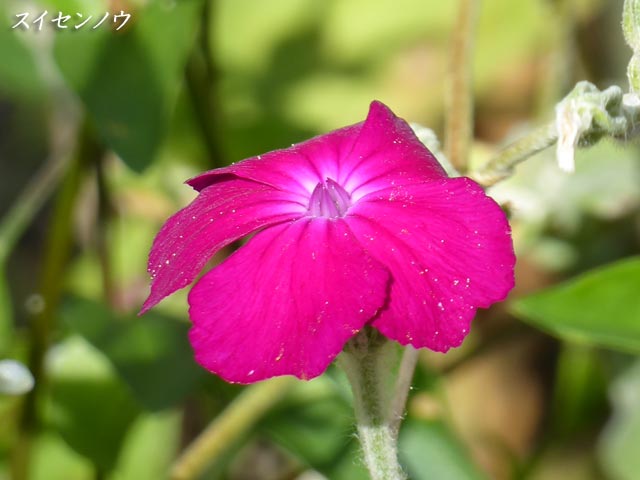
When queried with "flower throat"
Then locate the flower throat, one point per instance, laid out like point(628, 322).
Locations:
point(329, 200)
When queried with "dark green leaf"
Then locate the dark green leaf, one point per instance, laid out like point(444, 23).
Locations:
point(152, 354)
point(325, 424)
point(579, 393)
point(315, 423)
point(601, 307)
point(129, 79)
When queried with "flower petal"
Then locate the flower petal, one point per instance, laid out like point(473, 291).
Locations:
point(449, 251)
point(386, 153)
point(297, 169)
point(221, 213)
point(286, 302)
point(362, 158)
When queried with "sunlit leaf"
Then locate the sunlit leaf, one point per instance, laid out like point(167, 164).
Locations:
point(19, 74)
point(143, 456)
point(601, 307)
point(87, 392)
point(53, 459)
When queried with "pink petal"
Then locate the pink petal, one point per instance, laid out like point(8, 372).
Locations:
point(362, 158)
point(386, 153)
point(449, 251)
point(297, 169)
point(222, 213)
point(285, 303)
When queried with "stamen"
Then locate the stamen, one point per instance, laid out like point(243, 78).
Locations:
point(329, 200)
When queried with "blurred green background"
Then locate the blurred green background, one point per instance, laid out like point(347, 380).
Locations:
point(99, 128)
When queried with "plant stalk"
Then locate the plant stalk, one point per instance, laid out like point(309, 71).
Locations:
point(368, 361)
point(459, 97)
point(235, 421)
point(501, 166)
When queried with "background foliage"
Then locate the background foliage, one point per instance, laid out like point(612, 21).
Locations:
point(547, 386)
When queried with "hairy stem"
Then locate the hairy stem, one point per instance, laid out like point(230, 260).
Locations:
point(403, 384)
point(459, 108)
point(502, 165)
point(367, 360)
point(235, 421)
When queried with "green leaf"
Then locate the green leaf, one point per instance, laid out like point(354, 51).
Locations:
point(315, 423)
point(324, 421)
point(53, 460)
point(151, 354)
point(142, 444)
point(18, 72)
point(601, 307)
point(430, 450)
point(90, 407)
point(579, 392)
point(129, 80)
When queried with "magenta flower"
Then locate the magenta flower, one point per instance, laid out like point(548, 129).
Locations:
point(357, 227)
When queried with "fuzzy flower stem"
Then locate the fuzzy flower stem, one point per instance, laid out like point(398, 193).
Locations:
point(501, 166)
point(631, 30)
point(368, 361)
point(236, 420)
point(403, 384)
point(459, 121)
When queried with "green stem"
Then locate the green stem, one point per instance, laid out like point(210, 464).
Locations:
point(28, 204)
point(368, 362)
point(105, 211)
point(403, 385)
point(235, 421)
point(459, 120)
point(502, 165)
point(13, 225)
point(201, 80)
point(57, 251)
